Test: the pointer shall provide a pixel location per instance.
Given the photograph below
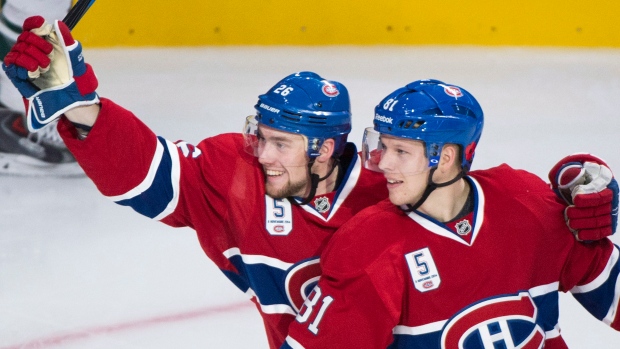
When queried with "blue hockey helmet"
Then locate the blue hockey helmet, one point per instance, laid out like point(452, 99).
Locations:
point(435, 113)
point(304, 103)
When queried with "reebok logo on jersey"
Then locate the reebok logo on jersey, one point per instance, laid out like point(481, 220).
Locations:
point(268, 108)
point(383, 118)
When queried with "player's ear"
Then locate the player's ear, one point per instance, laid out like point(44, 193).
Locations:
point(327, 150)
point(449, 157)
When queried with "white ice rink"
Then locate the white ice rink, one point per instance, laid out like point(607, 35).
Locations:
point(77, 271)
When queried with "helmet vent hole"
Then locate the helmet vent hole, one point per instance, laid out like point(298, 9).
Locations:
point(463, 111)
point(290, 116)
point(433, 111)
point(411, 125)
point(312, 119)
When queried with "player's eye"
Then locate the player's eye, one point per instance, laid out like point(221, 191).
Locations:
point(401, 152)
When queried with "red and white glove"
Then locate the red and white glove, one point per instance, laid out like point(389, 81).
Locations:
point(588, 186)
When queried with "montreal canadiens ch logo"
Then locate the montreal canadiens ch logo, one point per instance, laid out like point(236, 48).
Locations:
point(453, 91)
point(330, 90)
point(300, 280)
point(503, 322)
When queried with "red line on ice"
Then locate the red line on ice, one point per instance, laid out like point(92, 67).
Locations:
point(125, 326)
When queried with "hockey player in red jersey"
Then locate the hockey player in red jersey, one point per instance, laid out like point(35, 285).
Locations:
point(454, 259)
point(263, 204)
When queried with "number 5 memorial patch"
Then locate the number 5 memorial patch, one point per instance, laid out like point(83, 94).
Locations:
point(423, 270)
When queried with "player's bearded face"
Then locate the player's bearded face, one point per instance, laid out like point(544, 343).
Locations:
point(405, 166)
point(285, 163)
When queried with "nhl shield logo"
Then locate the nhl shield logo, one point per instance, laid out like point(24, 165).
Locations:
point(322, 204)
point(463, 227)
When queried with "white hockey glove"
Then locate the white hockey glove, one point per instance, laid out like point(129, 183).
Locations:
point(588, 186)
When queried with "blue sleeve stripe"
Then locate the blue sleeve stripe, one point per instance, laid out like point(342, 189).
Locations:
point(262, 277)
point(548, 310)
point(158, 194)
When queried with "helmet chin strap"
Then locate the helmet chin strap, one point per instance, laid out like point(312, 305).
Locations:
point(430, 187)
point(314, 182)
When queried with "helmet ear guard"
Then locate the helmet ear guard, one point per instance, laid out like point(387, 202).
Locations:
point(435, 113)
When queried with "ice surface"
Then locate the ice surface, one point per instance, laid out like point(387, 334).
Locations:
point(77, 271)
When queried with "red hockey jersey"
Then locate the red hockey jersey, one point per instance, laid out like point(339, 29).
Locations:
point(398, 280)
point(266, 247)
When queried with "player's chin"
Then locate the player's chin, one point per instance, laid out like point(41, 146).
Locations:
point(398, 199)
point(284, 190)
point(275, 191)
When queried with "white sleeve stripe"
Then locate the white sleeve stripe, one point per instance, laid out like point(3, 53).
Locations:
point(293, 343)
point(175, 180)
point(602, 278)
point(277, 309)
point(418, 330)
point(257, 259)
point(148, 180)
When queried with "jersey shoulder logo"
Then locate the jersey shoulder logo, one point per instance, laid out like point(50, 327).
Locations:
point(188, 150)
point(501, 322)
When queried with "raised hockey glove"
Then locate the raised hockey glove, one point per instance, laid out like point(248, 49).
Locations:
point(47, 67)
point(588, 186)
